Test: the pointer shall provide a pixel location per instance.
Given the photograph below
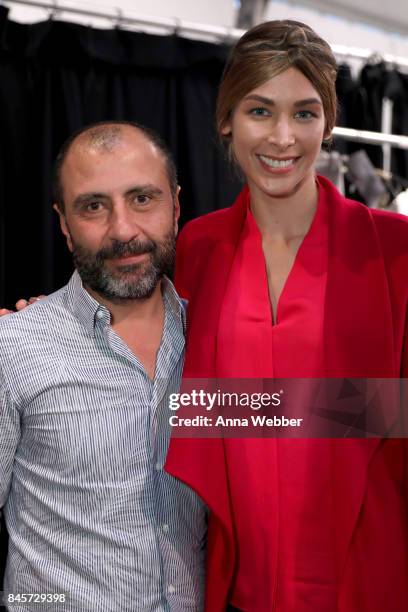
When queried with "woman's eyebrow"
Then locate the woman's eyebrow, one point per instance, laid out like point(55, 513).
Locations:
point(308, 101)
point(271, 102)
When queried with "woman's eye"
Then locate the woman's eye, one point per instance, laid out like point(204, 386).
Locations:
point(259, 111)
point(305, 115)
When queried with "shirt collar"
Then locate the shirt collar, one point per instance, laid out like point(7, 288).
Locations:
point(88, 310)
point(177, 305)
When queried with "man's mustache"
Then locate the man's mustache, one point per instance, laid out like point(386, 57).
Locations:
point(125, 249)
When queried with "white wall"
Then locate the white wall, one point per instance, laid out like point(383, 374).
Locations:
point(340, 30)
point(216, 12)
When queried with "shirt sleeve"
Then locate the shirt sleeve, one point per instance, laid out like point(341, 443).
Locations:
point(9, 439)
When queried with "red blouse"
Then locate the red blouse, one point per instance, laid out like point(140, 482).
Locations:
point(284, 531)
point(365, 335)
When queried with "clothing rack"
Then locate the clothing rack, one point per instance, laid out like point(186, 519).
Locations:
point(180, 27)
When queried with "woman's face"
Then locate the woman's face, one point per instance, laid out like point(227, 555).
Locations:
point(277, 130)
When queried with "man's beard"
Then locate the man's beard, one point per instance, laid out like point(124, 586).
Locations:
point(127, 281)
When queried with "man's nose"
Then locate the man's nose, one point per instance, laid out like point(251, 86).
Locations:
point(124, 225)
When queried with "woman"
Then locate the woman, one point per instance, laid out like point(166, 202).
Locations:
point(294, 281)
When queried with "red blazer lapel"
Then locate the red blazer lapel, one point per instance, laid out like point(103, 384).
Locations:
point(207, 276)
point(357, 291)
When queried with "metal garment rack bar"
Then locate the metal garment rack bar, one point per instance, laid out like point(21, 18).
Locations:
point(179, 26)
point(401, 142)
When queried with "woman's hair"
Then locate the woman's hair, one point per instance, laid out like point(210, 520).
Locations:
point(269, 49)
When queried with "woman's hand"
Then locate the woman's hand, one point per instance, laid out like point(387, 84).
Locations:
point(21, 304)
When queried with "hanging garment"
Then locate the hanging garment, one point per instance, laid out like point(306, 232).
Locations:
point(361, 173)
point(331, 165)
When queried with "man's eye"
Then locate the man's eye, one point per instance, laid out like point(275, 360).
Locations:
point(142, 198)
point(93, 206)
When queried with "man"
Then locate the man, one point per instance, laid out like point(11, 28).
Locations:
point(92, 517)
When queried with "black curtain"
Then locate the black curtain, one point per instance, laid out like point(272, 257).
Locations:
point(56, 77)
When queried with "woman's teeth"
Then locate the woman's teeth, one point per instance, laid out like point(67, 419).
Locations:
point(277, 163)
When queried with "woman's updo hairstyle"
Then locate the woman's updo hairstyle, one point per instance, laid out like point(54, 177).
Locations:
point(269, 49)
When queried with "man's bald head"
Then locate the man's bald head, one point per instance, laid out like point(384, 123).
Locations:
point(104, 137)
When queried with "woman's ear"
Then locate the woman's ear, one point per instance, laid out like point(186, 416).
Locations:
point(327, 136)
point(226, 129)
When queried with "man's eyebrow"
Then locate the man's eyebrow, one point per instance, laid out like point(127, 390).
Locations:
point(148, 188)
point(271, 102)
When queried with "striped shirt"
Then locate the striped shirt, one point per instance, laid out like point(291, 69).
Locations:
point(83, 438)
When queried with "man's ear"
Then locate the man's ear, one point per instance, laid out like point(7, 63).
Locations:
point(176, 210)
point(64, 226)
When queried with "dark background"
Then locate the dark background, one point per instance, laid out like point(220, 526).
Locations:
point(56, 77)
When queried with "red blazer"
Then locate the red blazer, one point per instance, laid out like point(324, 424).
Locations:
point(367, 282)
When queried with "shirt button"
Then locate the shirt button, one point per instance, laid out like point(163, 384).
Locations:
point(171, 589)
point(165, 528)
point(158, 467)
point(100, 314)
